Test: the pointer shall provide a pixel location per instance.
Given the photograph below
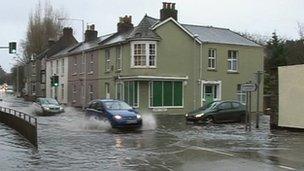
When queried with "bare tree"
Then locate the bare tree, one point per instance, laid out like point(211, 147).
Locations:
point(301, 30)
point(43, 25)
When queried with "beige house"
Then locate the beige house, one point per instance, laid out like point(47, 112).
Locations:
point(291, 95)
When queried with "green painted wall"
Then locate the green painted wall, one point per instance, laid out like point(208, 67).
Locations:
point(178, 55)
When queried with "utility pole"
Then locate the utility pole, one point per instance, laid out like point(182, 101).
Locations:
point(259, 78)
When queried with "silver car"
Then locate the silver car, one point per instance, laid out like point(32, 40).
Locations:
point(47, 106)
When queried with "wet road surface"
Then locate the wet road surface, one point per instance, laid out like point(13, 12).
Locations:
point(70, 142)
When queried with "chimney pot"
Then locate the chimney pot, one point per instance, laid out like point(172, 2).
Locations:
point(168, 11)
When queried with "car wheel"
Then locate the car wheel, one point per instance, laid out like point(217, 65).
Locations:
point(209, 119)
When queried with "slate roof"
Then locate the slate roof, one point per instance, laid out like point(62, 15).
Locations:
point(79, 47)
point(210, 34)
point(143, 30)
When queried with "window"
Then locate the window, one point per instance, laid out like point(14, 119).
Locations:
point(62, 66)
point(82, 64)
point(92, 64)
point(62, 91)
point(119, 91)
point(57, 67)
point(33, 88)
point(107, 90)
point(212, 59)
point(107, 60)
point(232, 60)
point(52, 71)
point(91, 92)
point(241, 95)
point(225, 105)
point(152, 54)
point(118, 58)
point(166, 94)
point(131, 93)
point(74, 93)
point(33, 68)
point(75, 66)
point(143, 54)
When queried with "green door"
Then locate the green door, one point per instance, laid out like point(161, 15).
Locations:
point(209, 93)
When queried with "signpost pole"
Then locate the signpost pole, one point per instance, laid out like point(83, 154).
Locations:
point(250, 111)
point(258, 74)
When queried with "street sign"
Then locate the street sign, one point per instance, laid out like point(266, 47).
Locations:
point(249, 87)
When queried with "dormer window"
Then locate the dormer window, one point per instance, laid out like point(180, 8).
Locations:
point(143, 54)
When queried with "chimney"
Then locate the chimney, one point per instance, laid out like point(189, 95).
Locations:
point(91, 33)
point(67, 31)
point(168, 11)
point(51, 42)
point(124, 24)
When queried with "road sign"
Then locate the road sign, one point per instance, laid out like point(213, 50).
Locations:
point(248, 87)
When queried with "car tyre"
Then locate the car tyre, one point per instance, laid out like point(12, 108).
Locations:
point(209, 120)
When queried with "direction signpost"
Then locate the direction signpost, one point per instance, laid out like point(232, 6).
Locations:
point(248, 88)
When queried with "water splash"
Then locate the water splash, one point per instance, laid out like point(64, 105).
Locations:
point(74, 119)
point(149, 121)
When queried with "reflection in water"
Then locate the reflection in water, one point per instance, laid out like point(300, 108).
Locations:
point(68, 141)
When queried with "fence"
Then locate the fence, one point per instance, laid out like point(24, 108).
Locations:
point(25, 124)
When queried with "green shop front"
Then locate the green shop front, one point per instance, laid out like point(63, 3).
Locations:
point(152, 94)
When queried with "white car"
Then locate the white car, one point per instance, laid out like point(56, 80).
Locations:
point(47, 106)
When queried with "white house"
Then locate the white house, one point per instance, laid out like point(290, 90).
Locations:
point(57, 65)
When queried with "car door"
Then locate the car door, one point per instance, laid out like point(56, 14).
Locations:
point(237, 111)
point(224, 112)
point(37, 106)
point(99, 110)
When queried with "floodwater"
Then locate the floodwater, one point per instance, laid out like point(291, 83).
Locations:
point(68, 141)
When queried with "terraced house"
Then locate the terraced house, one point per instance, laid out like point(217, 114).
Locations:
point(161, 65)
point(165, 66)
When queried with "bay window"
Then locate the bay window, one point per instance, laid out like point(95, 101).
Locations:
point(143, 54)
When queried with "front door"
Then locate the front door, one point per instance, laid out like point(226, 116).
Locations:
point(210, 93)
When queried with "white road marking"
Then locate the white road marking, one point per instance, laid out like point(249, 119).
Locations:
point(286, 167)
point(211, 150)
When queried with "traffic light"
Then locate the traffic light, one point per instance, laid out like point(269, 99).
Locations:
point(55, 81)
point(12, 47)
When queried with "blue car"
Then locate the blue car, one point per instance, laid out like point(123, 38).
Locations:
point(117, 112)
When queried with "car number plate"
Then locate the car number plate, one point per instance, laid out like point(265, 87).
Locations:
point(131, 121)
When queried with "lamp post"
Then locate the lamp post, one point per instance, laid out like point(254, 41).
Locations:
point(82, 55)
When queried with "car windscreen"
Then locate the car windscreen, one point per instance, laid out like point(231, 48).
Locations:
point(210, 105)
point(117, 105)
point(49, 101)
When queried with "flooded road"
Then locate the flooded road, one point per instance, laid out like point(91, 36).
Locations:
point(70, 142)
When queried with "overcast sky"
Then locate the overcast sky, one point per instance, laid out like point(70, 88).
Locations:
point(254, 16)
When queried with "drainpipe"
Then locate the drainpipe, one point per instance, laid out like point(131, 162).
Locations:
point(194, 72)
point(200, 72)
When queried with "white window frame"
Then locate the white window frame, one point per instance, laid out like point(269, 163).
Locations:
point(150, 94)
point(123, 93)
point(62, 91)
point(107, 60)
point(119, 58)
point(91, 64)
point(231, 60)
point(212, 54)
point(219, 90)
point(62, 65)
point(241, 94)
point(121, 90)
point(91, 92)
point(147, 54)
point(57, 67)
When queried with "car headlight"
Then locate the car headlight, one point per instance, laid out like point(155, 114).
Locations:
point(187, 115)
point(138, 116)
point(199, 115)
point(60, 108)
point(46, 108)
point(118, 117)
